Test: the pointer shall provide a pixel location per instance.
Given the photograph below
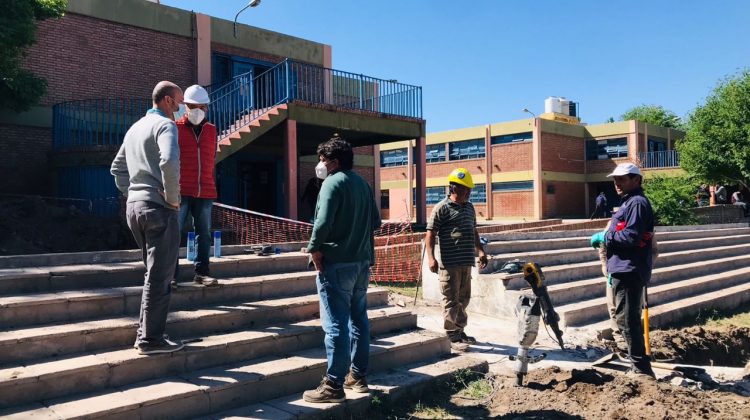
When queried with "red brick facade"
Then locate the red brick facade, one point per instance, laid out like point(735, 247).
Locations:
point(562, 153)
point(512, 157)
point(24, 163)
point(513, 204)
point(87, 58)
point(563, 199)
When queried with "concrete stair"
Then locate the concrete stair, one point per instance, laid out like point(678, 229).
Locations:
point(248, 131)
point(67, 331)
point(698, 267)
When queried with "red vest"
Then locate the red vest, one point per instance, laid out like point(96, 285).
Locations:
point(197, 159)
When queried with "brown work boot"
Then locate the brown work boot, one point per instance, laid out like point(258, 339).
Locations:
point(356, 384)
point(467, 339)
point(326, 392)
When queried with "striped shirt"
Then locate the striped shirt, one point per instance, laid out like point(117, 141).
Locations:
point(454, 225)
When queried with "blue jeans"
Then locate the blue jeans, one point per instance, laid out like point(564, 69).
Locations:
point(343, 312)
point(200, 209)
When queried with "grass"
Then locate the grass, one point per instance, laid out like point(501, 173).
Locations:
point(433, 412)
point(717, 318)
point(408, 289)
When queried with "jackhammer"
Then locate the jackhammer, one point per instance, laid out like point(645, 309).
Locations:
point(529, 309)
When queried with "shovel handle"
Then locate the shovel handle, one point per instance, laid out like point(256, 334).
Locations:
point(646, 335)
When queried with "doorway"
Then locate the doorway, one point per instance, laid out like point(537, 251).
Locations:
point(258, 186)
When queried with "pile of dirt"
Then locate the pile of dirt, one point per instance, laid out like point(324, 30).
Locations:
point(729, 346)
point(560, 394)
point(34, 225)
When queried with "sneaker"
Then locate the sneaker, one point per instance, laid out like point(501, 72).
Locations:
point(205, 280)
point(467, 339)
point(326, 392)
point(358, 385)
point(163, 346)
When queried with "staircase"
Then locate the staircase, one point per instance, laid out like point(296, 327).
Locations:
point(67, 331)
point(699, 268)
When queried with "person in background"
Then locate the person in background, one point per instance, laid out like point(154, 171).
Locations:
point(601, 206)
point(147, 171)
point(720, 194)
point(197, 138)
point(342, 249)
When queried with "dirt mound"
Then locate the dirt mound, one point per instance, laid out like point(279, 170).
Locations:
point(559, 394)
point(699, 346)
point(33, 225)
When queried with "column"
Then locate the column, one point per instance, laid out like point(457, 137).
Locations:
point(290, 168)
point(421, 178)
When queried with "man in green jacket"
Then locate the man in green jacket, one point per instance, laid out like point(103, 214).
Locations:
point(342, 249)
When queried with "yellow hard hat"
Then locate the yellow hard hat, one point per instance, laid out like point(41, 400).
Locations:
point(461, 176)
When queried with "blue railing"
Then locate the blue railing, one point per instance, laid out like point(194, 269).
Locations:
point(237, 103)
point(663, 159)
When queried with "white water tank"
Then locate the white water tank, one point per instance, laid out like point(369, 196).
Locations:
point(557, 104)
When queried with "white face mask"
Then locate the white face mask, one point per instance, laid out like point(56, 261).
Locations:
point(196, 115)
point(180, 112)
point(321, 171)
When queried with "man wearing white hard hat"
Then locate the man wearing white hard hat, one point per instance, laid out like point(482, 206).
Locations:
point(629, 242)
point(197, 138)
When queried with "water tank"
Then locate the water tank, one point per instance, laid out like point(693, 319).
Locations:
point(552, 104)
point(564, 106)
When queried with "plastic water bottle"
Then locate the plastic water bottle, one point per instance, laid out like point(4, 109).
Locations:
point(217, 244)
point(191, 252)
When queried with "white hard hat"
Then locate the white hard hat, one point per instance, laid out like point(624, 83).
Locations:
point(625, 169)
point(196, 94)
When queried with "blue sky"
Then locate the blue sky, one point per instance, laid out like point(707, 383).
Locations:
point(482, 61)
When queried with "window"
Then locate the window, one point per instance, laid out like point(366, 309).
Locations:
point(656, 144)
point(478, 194)
point(512, 186)
point(385, 200)
point(435, 195)
point(468, 149)
point(513, 138)
point(435, 153)
point(397, 157)
point(606, 149)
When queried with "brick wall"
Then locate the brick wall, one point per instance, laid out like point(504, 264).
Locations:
point(568, 199)
point(513, 204)
point(562, 153)
point(512, 157)
point(85, 58)
point(24, 163)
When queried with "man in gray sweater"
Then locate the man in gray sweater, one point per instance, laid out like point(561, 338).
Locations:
point(147, 171)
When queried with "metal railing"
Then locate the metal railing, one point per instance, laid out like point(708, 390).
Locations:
point(663, 159)
point(237, 103)
point(95, 122)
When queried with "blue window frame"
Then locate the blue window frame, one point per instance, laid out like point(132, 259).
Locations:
point(513, 138)
point(433, 195)
point(478, 194)
point(512, 186)
point(467, 149)
point(435, 153)
point(606, 149)
point(397, 157)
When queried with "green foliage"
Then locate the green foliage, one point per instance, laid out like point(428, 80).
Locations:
point(655, 115)
point(671, 199)
point(716, 146)
point(19, 88)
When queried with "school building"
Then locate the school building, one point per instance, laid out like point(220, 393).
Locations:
point(543, 167)
point(274, 98)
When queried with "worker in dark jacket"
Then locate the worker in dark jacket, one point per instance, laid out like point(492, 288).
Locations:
point(601, 206)
point(629, 259)
point(197, 138)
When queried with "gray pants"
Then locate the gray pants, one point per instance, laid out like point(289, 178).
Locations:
point(156, 231)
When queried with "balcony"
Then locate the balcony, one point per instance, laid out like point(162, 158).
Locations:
point(102, 123)
point(658, 160)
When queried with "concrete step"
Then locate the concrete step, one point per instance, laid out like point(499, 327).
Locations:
point(698, 261)
point(23, 345)
point(412, 381)
point(727, 298)
point(230, 386)
point(122, 255)
point(592, 310)
point(81, 276)
point(52, 378)
point(38, 308)
point(717, 246)
point(673, 241)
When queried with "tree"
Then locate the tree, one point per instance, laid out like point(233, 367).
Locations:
point(672, 199)
point(655, 115)
point(716, 146)
point(19, 88)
